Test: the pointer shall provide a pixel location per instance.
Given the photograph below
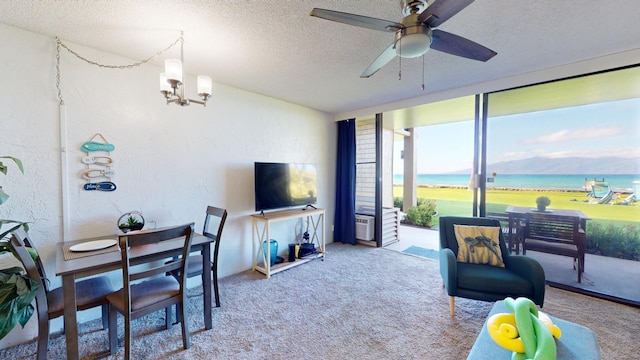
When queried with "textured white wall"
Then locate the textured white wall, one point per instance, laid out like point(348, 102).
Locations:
point(170, 162)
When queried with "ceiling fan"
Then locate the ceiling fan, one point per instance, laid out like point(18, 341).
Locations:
point(414, 34)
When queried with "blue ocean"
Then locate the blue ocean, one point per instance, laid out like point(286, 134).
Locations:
point(549, 182)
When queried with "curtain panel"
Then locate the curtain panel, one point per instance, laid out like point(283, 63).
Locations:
point(345, 214)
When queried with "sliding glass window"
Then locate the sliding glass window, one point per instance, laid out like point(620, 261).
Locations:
point(575, 142)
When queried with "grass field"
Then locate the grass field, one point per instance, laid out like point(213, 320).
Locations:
point(457, 201)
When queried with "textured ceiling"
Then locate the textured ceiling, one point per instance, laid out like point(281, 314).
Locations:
point(273, 47)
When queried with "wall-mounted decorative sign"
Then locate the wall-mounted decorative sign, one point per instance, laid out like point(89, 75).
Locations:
point(98, 161)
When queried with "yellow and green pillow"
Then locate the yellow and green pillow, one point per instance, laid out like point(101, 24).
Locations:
point(479, 244)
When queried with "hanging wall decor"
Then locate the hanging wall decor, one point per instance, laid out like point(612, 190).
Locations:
point(98, 161)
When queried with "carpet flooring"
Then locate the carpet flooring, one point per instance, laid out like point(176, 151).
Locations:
point(359, 303)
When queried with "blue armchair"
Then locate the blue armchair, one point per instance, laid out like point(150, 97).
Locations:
point(522, 276)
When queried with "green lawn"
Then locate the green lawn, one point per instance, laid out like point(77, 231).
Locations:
point(454, 201)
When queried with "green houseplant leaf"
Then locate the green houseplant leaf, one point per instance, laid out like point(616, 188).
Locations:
point(17, 292)
point(3, 169)
point(17, 289)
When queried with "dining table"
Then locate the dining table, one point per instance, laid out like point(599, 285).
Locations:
point(72, 265)
point(517, 215)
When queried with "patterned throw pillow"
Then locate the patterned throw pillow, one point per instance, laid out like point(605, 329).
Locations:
point(479, 244)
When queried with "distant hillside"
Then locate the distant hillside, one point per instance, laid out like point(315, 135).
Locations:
point(569, 166)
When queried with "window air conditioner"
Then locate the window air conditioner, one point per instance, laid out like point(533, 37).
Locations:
point(364, 227)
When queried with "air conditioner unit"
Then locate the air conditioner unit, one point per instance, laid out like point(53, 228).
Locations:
point(364, 227)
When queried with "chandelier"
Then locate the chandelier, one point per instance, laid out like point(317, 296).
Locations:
point(172, 83)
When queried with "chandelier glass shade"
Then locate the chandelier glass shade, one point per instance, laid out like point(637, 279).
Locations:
point(172, 82)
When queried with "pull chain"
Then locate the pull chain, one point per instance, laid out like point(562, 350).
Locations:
point(400, 63)
point(422, 87)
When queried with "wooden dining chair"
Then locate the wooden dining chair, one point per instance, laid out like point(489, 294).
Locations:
point(90, 292)
point(213, 225)
point(143, 292)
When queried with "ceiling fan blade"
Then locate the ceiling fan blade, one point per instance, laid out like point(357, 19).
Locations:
point(383, 59)
point(457, 45)
point(357, 20)
point(441, 11)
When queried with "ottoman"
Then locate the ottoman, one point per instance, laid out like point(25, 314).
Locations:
point(576, 343)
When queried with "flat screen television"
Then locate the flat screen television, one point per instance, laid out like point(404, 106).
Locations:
point(284, 185)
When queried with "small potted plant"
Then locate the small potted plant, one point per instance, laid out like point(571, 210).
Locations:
point(543, 202)
point(131, 221)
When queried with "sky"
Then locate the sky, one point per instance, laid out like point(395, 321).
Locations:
point(594, 130)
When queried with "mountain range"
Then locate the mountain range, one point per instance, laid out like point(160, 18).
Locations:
point(566, 166)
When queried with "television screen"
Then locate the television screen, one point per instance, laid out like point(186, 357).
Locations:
point(282, 185)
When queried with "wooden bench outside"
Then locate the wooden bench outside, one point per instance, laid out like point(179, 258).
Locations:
point(555, 234)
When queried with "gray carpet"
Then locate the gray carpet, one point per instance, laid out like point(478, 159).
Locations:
point(359, 303)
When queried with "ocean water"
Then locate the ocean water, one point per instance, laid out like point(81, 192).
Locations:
point(548, 182)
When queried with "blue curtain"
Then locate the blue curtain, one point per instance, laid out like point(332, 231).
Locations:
point(345, 214)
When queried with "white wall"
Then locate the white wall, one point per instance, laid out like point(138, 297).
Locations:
point(170, 162)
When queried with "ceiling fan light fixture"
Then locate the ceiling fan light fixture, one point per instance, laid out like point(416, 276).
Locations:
point(413, 44)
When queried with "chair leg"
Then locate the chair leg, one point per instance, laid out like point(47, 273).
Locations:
point(215, 286)
point(43, 337)
point(113, 330)
point(105, 316)
point(127, 337)
point(452, 306)
point(178, 315)
point(168, 317)
point(580, 269)
point(186, 340)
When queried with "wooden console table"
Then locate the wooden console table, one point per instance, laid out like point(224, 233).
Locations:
point(261, 224)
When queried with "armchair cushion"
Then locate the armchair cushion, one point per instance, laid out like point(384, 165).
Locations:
point(492, 279)
point(478, 244)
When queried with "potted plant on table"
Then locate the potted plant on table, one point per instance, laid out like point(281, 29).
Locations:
point(131, 221)
point(543, 202)
point(17, 290)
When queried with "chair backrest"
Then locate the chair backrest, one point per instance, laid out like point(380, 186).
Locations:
point(19, 241)
point(147, 266)
point(500, 216)
point(553, 228)
point(23, 240)
point(215, 216)
point(448, 236)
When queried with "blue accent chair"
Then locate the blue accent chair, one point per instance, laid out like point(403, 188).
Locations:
point(522, 276)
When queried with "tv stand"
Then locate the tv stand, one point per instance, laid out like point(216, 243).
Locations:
point(261, 224)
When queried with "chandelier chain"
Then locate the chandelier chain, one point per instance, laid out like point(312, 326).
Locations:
point(60, 44)
point(58, 74)
point(129, 66)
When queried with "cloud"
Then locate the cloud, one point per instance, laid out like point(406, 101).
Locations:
point(577, 134)
point(622, 152)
